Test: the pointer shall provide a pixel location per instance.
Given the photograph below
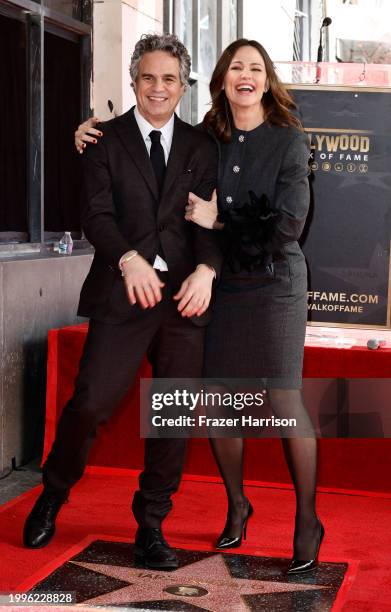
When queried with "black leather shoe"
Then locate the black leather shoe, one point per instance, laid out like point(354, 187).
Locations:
point(40, 524)
point(151, 550)
point(300, 566)
point(228, 541)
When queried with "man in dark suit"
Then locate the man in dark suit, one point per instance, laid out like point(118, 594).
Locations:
point(150, 281)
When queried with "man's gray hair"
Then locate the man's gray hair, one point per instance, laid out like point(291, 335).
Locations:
point(161, 42)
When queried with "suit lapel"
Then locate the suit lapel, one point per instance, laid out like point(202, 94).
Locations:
point(130, 136)
point(177, 157)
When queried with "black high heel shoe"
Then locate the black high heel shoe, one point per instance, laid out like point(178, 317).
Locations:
point(227, 541)
point(299, 566)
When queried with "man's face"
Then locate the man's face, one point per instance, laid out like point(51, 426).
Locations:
point(158, 87)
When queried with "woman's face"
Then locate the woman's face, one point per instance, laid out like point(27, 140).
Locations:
point(246, 81)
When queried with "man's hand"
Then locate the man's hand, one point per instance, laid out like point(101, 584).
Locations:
point(195, 292)
point(142, 283)
point(86, 132)
point(202, 212)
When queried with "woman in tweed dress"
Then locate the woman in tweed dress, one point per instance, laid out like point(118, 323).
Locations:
point(260, 308)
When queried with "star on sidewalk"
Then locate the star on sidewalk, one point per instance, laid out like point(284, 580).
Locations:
point(207, 585)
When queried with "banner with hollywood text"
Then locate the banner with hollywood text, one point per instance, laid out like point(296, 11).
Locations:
point(347, 238)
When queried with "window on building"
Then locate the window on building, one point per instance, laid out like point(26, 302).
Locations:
point(76, 9)
point(41, 103)
point(13, 130)
point(206, 27)
point(62, 170)
point(302, 32)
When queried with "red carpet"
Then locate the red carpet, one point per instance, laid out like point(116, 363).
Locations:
point(354, 499)
point(357, 531)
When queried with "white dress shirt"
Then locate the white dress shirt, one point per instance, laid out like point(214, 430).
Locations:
point(167, 131)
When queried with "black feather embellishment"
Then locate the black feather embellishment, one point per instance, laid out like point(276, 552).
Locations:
point(247, 228)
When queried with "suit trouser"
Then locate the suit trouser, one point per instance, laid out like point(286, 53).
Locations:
point(111, 358)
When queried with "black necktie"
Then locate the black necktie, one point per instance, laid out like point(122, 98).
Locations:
point(157, 158)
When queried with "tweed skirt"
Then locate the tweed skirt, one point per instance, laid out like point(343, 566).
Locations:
point(258, 327)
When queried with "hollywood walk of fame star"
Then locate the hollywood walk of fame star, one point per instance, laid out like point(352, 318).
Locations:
point(371, 278)
point(374, 179)
point(206, 584)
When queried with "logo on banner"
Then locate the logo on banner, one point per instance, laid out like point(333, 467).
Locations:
point(341, 150)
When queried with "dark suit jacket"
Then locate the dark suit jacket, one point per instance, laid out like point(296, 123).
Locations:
point(122, 211)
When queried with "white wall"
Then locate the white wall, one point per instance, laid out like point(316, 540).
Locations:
point(138, 17)
point(107, 68)
point(118, 24)
point(271, 22)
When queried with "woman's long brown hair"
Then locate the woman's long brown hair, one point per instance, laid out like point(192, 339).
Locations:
point(277, 103)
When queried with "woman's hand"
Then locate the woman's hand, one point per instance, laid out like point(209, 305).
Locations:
point(195, 292)
point(202, 212)
point(86, 132)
